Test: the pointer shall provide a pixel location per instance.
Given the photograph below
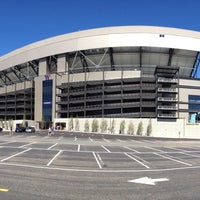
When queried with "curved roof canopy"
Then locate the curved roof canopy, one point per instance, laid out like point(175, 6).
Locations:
point(139, 46)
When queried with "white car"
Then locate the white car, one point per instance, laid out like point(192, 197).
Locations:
point(30, 129)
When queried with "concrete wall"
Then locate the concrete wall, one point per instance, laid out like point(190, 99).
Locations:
point(14, 123)
point(95, 76)
point(166, 129)
point(16, 87)
point(185, 92)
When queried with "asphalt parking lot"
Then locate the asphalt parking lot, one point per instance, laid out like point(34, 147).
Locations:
point(93, 153)
point(109, 156)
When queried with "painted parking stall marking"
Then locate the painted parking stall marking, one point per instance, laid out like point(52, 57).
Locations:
point(40, 145)
point(173, 159)
point(25, 145)
point(131, 157)
point(64, 147)
point(92, 148)
point(154, 149)
point(52, 146)
point(106, 149)
point(121, 161)
point(97, 160)
point(76, 160)
point(91, 139)
point(94, 154)
point(54, 157)
point(79, 146)
point(7, 143)
point(17, 154)
point(131, 149)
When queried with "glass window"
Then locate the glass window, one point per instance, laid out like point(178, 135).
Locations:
point(194, 102)
point(47, 100)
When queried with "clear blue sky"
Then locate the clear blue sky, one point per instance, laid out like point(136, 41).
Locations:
point(27, 21)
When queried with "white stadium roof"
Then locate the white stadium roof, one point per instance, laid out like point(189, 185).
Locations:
point(180, 47)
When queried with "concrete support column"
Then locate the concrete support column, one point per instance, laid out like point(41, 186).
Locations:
point(43, 67)
point(62, 63)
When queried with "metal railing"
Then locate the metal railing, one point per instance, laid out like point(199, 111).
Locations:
point(167, 107)
point(171, 90)
point(167, 80)
point(169, 99)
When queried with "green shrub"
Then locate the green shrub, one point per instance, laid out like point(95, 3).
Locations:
point(86, 126)
point(149, 128)
point(95, 125)
point(122, 126)
point(140, 128)
point(77, 126)
point(104, 126)
point(112, 126)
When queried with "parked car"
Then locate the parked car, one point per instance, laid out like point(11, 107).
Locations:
point(20, 129)
point(30, 129)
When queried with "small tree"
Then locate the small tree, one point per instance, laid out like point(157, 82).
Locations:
point(131, 128)
point(149, 128)
point(122, 127)
point(95, 125)
point(104, 126)
point(112, 126)
point(86, 126)
point(77, 126)
point(140, 128)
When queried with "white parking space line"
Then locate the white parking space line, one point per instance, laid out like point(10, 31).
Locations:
point(60, 138)
point(140, 159)
point(32, 136)
point(131, 157)
point(192, 155)
point(75, 139)
point(106, 149)
point(136, 141)
point(106, 140)
point(79, 146)
point(19, 136)
point(173, 159)
point(149, 141)
point(44, 138)
point(99, 157)
point(97, 160)
point(131, 149)
point(91, 139)
point(183, 150)
point(120, 140)
point(52, 146)
point(153, 149)
point(54, 157)
point(6, 143)
point(16, 154)
point(177, 149)
point(27, 144)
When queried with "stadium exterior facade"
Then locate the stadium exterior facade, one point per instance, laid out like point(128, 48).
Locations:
point(130, 72)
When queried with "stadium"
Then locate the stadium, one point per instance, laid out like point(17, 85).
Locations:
point(138, 73)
